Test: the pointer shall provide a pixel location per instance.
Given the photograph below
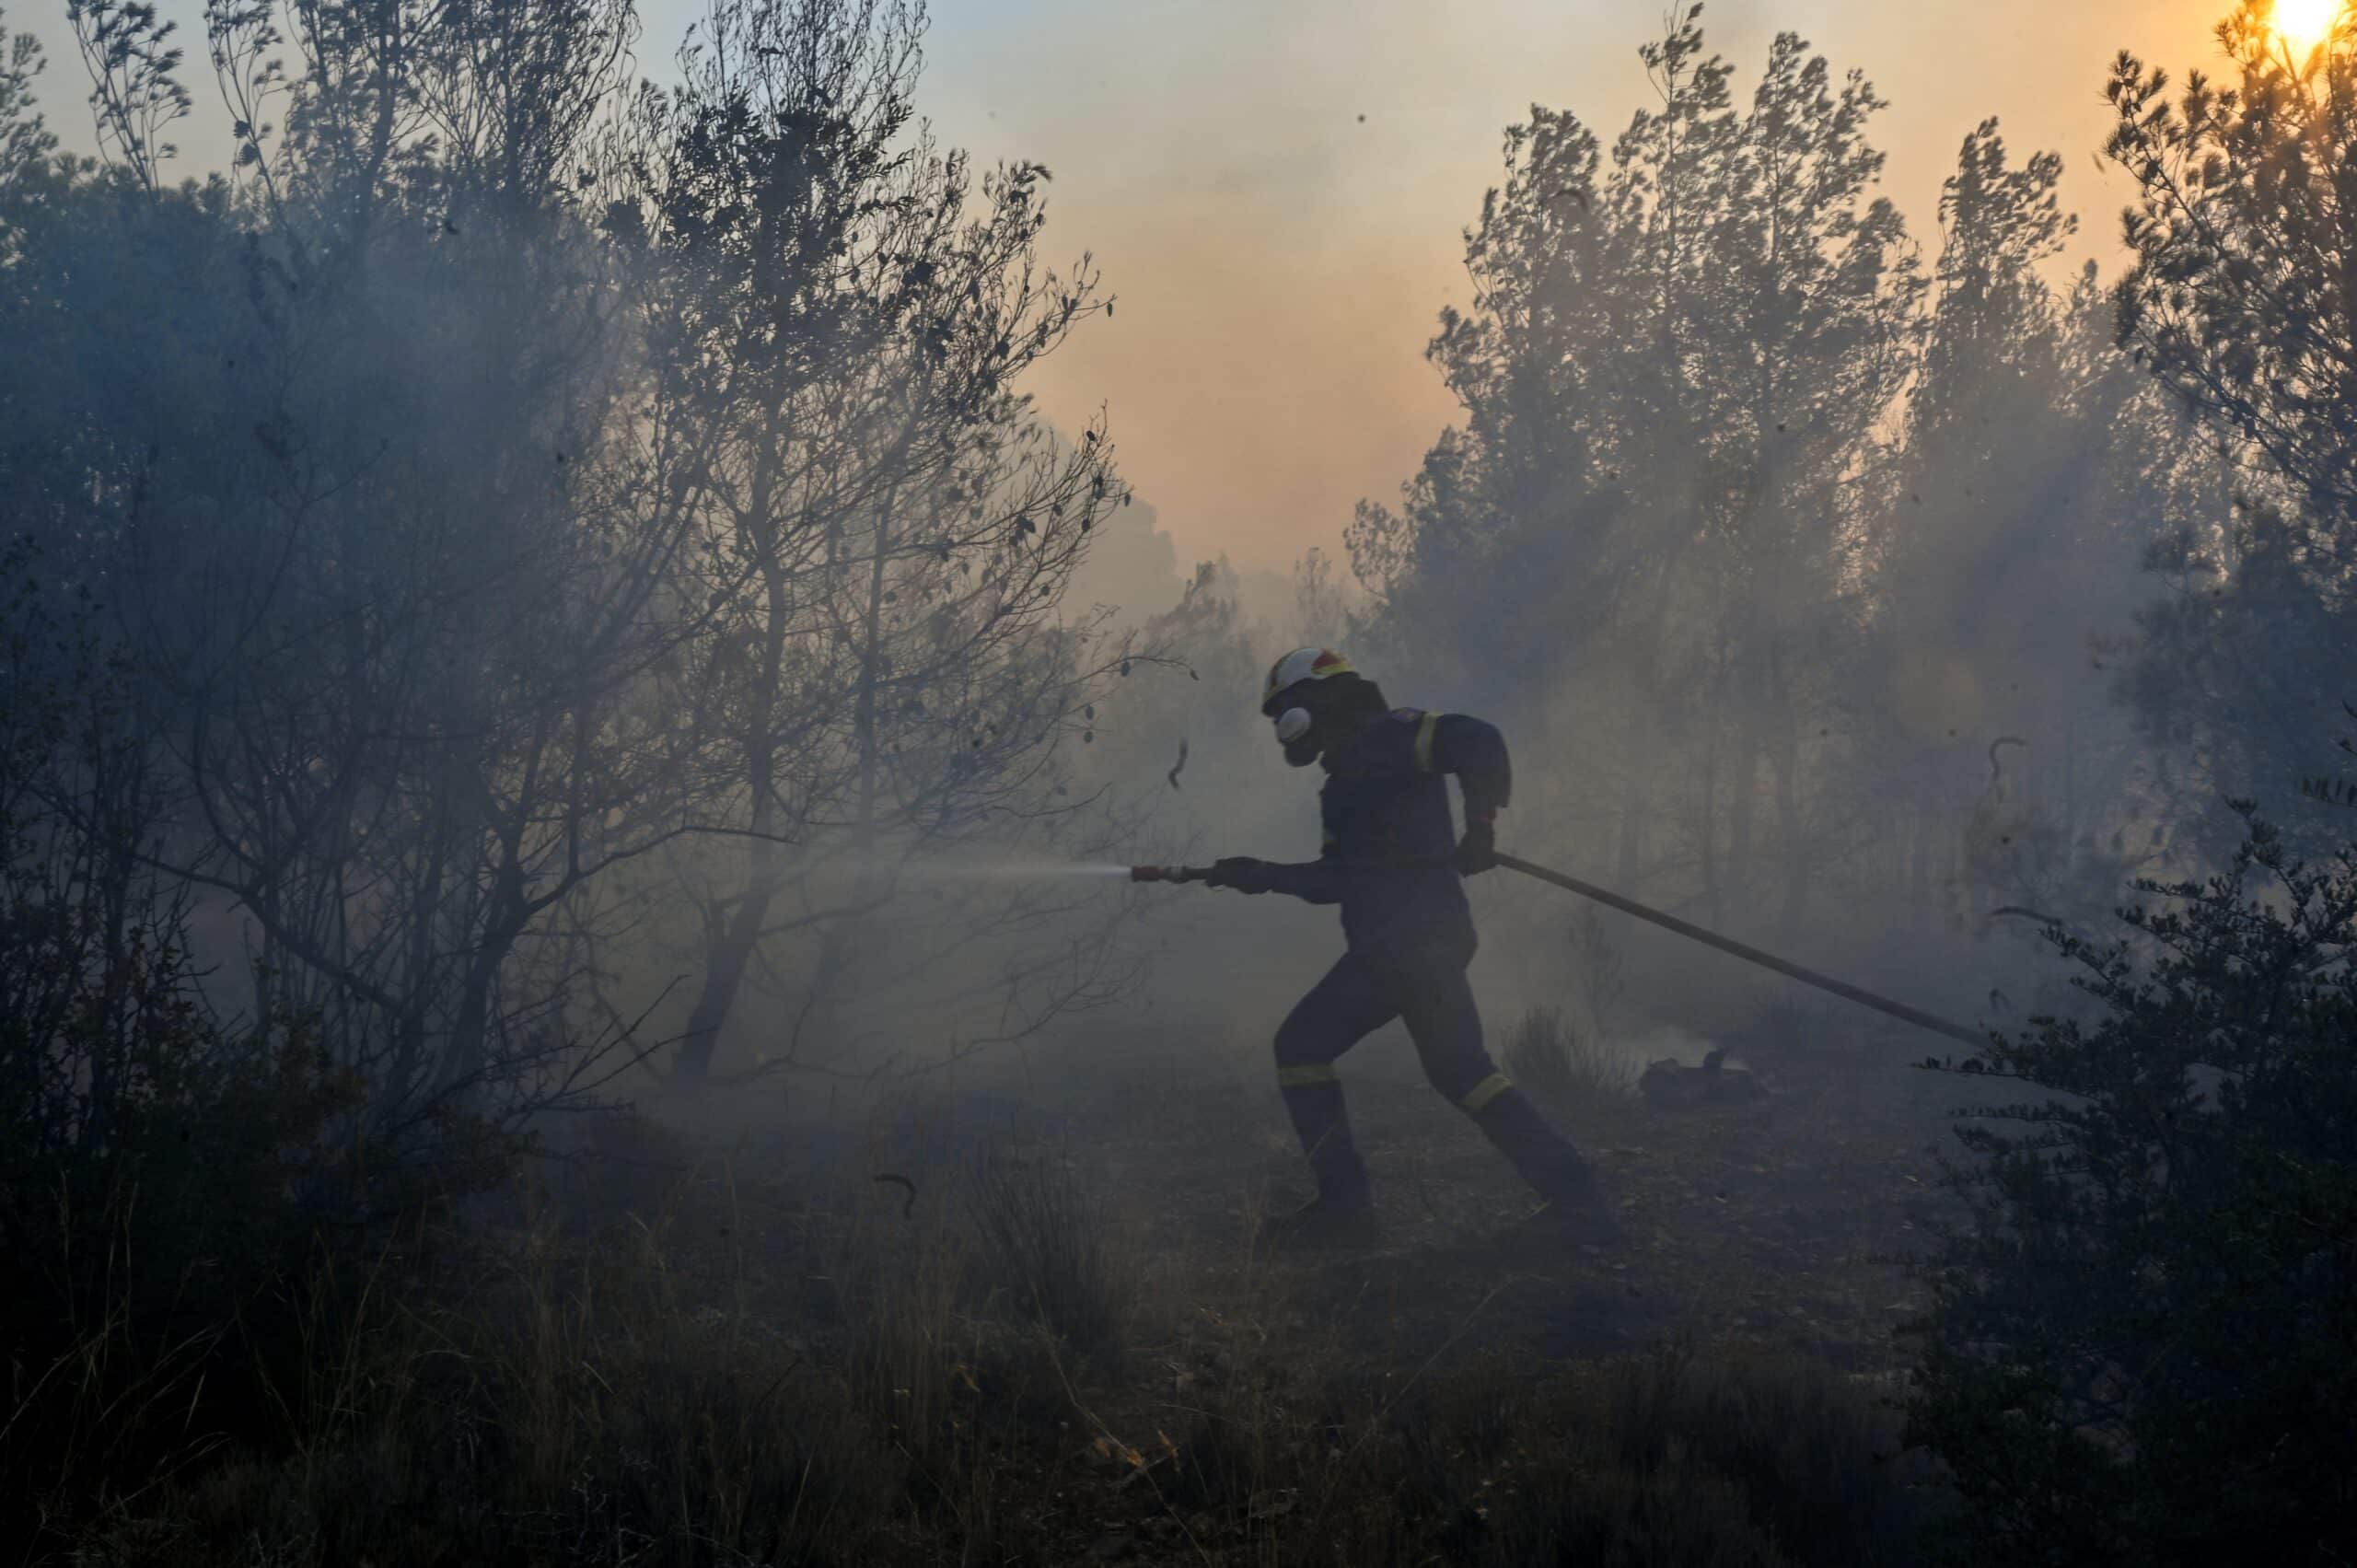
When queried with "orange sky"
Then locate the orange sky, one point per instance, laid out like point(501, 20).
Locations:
point(1279, 261)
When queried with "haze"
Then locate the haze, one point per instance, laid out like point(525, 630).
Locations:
point(1277, 194)
point(1599, 812)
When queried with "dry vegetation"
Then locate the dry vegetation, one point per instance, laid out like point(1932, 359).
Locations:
point(511, 530)
point(1563, 1066)
point(1031, 1347)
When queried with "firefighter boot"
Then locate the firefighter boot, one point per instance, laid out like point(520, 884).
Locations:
point(1342, 1214)
point(1574, 1208)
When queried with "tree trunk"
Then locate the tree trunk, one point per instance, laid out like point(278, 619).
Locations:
point(728, 951)
point(836, 948)
point(726, 957)
point(1785, 761)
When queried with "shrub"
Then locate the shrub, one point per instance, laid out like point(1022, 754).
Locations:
point(163, 1172)
point(2138, 1347)
point(1563, 1067)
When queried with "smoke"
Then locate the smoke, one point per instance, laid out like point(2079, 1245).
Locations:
point(1749, 661)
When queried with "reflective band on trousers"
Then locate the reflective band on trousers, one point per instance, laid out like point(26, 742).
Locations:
point(1425, 741)
point(1303, 1078)
point(1482, 1093)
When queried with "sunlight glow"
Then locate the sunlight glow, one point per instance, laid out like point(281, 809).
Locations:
point(2303, 24)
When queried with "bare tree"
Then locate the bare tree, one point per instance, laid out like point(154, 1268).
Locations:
point(884, 671)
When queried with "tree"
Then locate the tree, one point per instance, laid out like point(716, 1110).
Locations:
point(2037, 462)
point(2138, 1347)
point(2136, 1350)
point(1822, 323)
point(349, 505)
point(1676, 355)
point(27, 145)
point(764, 190)
point(2237, 301)
point(2241, 242)
point(883, 672)
point(1319, 607)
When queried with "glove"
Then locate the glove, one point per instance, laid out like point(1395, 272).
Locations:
point(1243, 874)
point(1478, 850)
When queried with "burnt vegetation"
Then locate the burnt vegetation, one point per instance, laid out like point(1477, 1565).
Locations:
point(530, 600)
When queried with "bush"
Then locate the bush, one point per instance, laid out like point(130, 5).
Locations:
point(2139, 1344)
point(1563, 1067)
point(164, 1173)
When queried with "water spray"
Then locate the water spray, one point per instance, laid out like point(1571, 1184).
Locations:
point(1013, 870)
point(1168, 873)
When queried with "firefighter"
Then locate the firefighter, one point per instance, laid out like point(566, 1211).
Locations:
point(1395, 863)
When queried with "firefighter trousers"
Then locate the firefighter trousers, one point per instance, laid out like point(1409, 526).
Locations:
point(1423, 985)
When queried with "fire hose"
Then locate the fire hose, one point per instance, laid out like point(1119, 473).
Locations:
point(1686, 929)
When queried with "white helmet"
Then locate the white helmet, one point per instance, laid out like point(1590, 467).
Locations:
point(1302, 664)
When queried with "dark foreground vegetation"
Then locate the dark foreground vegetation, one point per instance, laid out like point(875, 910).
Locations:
point(528, 592)
point(735, 1357)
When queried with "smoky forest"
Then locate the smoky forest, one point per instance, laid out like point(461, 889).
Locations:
point(626, 919)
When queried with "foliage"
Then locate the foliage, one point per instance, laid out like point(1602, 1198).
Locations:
point(25, 142)
point(389, 529)
point(2035, 460)
point(2240, 238)
point(164, 1171)
point(542, 492)
point(2138, 1350)
point(2237, 304)
point(884, 669)
point(1679, 351)
point(1760, 532)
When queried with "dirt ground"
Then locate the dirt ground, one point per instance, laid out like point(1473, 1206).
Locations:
point(1777, 1226)
point(1773, 1224)
point(1768, 1233)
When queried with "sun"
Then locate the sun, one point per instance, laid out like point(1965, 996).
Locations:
point(2303, 24)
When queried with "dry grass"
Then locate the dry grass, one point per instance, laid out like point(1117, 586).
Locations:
point(1300, 1456)
point(1045, 1236)
point(576, 1409)
point(981, 1376)
point(1561, 1066)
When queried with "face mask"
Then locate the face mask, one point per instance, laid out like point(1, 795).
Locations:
point(1293, 734)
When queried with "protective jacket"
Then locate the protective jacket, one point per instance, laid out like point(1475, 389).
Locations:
point(1385, 801)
